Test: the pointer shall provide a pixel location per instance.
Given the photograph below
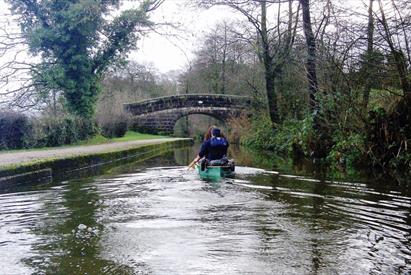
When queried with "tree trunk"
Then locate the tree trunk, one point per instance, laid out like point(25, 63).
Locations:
point(404, 28)
point(268, 67)
point(369, 59)
point(399, 59)
point(311, 58)
point(271, 96)
point(223, 61)
point(322, 141)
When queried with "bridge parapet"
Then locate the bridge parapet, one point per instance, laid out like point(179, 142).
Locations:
point(187, 100)
point(159, 115)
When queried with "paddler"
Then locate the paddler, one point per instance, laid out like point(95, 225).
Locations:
point(213, 149)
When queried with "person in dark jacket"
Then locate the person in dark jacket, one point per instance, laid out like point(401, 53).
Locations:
point(212, 149)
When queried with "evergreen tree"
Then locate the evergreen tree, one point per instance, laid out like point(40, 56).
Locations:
point(77, 40)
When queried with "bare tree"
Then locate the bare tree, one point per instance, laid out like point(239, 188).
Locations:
point(369, 54)
point(16, 87)
point(221, 65)
point(311, 55)
point(273, 44)
point(398, 55)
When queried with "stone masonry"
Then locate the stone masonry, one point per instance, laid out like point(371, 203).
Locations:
point(159, 115)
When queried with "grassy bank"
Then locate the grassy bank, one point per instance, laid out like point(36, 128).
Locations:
point(129, 136)
point(96, 140)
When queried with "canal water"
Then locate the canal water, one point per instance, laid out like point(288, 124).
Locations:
point(155, 217)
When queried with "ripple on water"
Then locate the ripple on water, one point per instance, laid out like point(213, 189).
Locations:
point(165, 220)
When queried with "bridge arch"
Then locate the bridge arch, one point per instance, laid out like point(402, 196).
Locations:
point(159, 115)
point(194, 125)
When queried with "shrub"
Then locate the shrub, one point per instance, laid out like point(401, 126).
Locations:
point(260, 135)
point(289, 136)
point(15, 131)
point(239, 126)
point(114, 129)
point(294, 136)
point(57, 131)
point(116, 126)
point(389, 133)
point(348, 149)
point(85, 128)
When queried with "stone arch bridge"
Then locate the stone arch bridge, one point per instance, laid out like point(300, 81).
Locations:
point(159, 115)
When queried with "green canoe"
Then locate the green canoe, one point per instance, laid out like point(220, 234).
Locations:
point(215, 172)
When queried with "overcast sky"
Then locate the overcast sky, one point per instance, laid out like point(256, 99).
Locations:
point(167, 52)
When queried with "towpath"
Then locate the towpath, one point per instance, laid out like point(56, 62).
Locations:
point(21, 157)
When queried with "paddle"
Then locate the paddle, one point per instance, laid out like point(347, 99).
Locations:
point(193, 163)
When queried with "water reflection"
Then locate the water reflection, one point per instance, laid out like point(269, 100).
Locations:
point(69, 234)
point(155, 217)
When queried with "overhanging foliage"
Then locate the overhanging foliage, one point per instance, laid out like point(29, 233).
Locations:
point(77, 41)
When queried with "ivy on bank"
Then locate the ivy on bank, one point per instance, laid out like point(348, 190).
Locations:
point(349, 149)
point(77, 41)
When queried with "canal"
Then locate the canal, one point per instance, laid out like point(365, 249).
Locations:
point(155, 217)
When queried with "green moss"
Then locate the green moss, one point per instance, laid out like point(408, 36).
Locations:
point(93, 163)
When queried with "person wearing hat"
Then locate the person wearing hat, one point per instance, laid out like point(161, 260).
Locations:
point(212, 149)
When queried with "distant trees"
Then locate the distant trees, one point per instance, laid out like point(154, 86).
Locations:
point(347, 62)
point(276, 38)
point(224, 63)
point(125, 83)
point(76, 42)
point(346, 66)
point(272, 42)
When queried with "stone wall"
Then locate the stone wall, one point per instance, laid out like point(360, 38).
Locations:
point(185, 101)
point(161, 114)
point(48, 170)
